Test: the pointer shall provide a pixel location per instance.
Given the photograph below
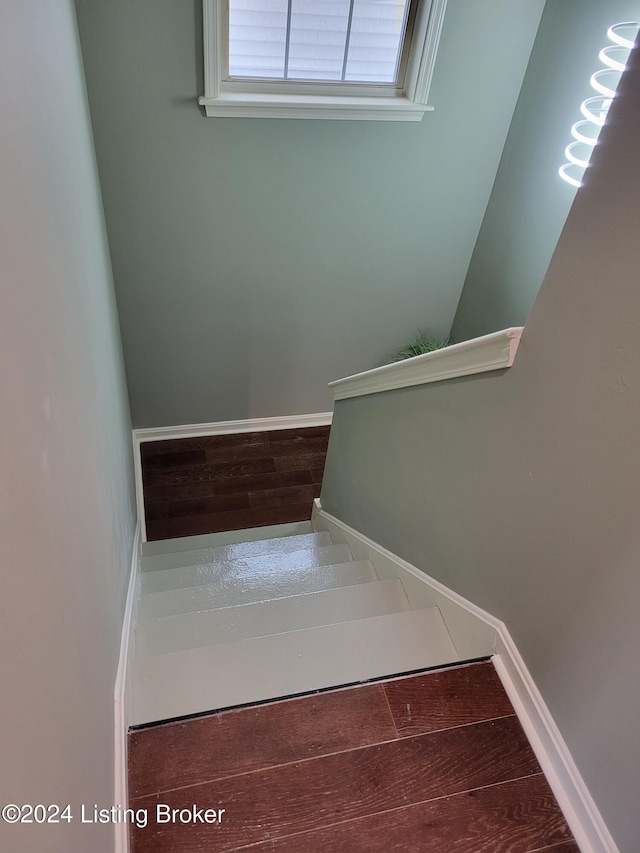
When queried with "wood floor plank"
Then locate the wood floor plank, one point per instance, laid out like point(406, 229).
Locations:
point(317, 473)
point(214, 747)
point(285, 447)
point(196, 506)
point(197, 473)
point(300, 461)
point(512, 817)
point(451, 697)
point(218, 455)
point(563, 847)
point(193, 525)
point(203, 442)
point(177, 459)
point(232, 485)
point(299, 444)
point(283, 496)
point(234, 439)
point(308, 795)
point(305, 432)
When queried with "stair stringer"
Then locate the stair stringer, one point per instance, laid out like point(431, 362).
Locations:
point(476, 633)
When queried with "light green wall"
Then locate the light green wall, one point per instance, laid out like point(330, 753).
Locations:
point(520, 489)
point(529, 202)
point(255, 260)
point(67, 510)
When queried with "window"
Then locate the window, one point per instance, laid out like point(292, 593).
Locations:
point(336, 59)
point(331, 41)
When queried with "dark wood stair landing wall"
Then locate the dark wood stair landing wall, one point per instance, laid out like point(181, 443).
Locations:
point(231, 482)
point(435, 762)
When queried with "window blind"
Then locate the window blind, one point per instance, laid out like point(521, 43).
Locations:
point(353, 41)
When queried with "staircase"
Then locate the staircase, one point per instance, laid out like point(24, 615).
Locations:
point(233, 618)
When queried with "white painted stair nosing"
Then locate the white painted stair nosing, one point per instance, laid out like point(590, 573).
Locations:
point(211, 596)
point(262, 618)
point(253, 670)
point(281, 569)
point(226, 537)
point(235, 551)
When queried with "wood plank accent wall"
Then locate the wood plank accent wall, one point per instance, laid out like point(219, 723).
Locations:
point(230, 482)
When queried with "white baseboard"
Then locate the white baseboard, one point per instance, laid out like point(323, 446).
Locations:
point(476, 633)
point(578, 807)
point(225, 427)
point(220, 428)
point(122, 696)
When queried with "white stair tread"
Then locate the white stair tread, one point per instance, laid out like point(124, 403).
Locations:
point(326, 607)
point(246, 570)
point(220, 676)
point(239, 589)
point(235, 551)
point(225, 537)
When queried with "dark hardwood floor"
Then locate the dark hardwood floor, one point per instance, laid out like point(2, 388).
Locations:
point(435, 762)
point(231, 482)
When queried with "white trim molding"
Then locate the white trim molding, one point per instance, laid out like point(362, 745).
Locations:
point(122, 696)
point(476, 633)
point(226, 427)
point(285, 99)
point(479, 355)
point(137, 474)
point(577, 804)
point(219, 428)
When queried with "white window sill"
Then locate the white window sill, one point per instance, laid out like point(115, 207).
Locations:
point(245, 105)
point(225, 98)
point(479, 355)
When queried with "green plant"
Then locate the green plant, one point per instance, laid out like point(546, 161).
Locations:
point(419, 345)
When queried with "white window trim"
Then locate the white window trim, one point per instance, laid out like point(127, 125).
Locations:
point(298, 100)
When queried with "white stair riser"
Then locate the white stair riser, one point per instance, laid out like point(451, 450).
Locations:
point(234, 551)
point(247, 571)
point(253, 670)
point(226, 537)
point(192, 630)
point(254, 588)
